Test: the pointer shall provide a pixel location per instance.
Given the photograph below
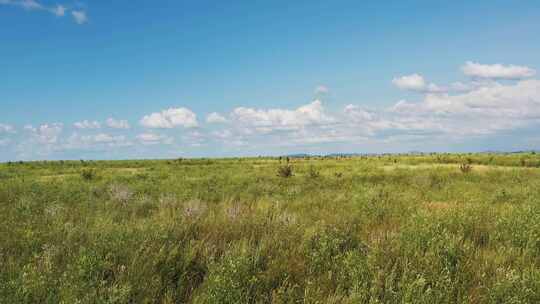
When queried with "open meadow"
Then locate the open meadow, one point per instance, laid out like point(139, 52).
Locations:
point(438, 228)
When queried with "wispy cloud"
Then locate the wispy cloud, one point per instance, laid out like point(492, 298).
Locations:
point(79, 17)
point(321, 89)
point(86, 124)
point(6, 128)
point(58, 10)
point(497, 71)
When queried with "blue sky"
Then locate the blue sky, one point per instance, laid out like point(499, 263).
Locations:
point(138, 79)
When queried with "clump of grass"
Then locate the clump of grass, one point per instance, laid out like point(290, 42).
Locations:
point(465, 168)
point(88, 174)
point(120, 193)
point(230, 231)
point(313, 173)
point(194, 209)
point(285, 171)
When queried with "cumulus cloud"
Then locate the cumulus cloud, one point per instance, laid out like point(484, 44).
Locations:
point(415, 82)
point(483, 110)
point(46, 133)
point(170, 118)
point(57, 10)
point(49, 133)
point(519, 100)
point(497, 71)
point(357, 113)
point(117, 124)
point(215, 117)
point(276, 119)
point(85, 124)
point(79, 17)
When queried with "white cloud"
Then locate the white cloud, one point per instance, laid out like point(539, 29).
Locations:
point(85, 124)
point(153, 139)
point(266, 127)
point(47, 133)
point(88, 142)
point(497, 71)
point(79, 17)
point(276, 119)
point(105, 138)
point(170, 118)
point(357, 113)
point(57, 10)
point(321, 90)
point(29, 4)
point(519, 100)
point(465, 110)
point(117, 124)
point(483, 110)
point(222, 134)
point(29, 128)
point(460, 87)
point(6, 128)
point(26, 4)
point(215, 117)
point(415, 82)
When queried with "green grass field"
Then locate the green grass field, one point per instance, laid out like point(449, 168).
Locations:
point(388, 229)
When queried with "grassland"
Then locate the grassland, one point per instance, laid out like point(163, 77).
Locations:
point(387, 229)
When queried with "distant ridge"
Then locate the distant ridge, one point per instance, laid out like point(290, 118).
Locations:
point(303, 155)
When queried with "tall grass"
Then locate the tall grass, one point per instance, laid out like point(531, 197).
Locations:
point(407, 229)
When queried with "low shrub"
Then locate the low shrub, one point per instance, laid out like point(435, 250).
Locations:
point(88, 174)
point(285, 171)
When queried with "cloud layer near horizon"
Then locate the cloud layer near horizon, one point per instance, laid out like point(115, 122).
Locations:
point(474, 109)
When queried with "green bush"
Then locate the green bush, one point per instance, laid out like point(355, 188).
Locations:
point(88, 174)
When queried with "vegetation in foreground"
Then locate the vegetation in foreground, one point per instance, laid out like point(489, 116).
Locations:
point(439, 228)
